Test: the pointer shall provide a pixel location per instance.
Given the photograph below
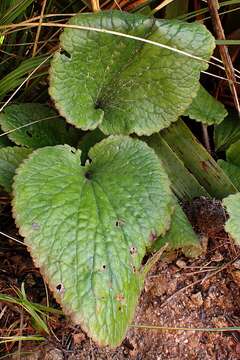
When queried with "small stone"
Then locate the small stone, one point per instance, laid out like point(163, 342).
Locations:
point(181, 264)
point(236, 276)
point(238, 348)
point(207, 303)
point(219, 321)
point(197, 299)
point(217, 257)
point(204, 242)
point(54, 354)
point(162, 286)
point(78, 338)
point(236, 264)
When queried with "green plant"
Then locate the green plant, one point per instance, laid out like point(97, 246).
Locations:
point(36, 311)
point(90, 217)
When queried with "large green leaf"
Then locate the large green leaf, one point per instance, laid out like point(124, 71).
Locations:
point(180, 235)
point(88, 228)
point(124, 85)
point(47, 128)
point(10, 159)
point(232, 205)
point(206, 108)
point(228, 132)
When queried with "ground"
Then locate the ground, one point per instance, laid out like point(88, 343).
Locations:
point(178, 292)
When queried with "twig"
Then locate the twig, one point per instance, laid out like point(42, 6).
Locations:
point(95, 5)
point(39, 29)
point(162, 5)
point(180, 291)
point(213, 7)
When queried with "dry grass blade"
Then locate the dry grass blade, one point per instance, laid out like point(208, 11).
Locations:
point(95, 5)
point(219, 77)
point(6, 339)
point(39, 28)
point(220, 61)
point(21, 333)
point(162, 5)
point(213, 9)
point(29, 24)
point(12, 238)
point(29, 124)
point(170, 328)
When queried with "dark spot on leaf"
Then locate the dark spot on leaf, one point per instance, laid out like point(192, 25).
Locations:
point(134, 269)
point(29, 134)
point(65, 53)
point(153, 236)
point(35, 226)
point(133, 250)
point(60, 288)
point(204, 165)
point(103, 267)
point(119, 308)
point(120, 297)
point(88, 175)
point(119, 223)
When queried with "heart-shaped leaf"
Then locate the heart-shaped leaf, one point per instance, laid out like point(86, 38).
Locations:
point(124, 85)
point(88, 228)
point(36, 125)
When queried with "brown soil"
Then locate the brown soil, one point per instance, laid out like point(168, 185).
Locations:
point(179, 292)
